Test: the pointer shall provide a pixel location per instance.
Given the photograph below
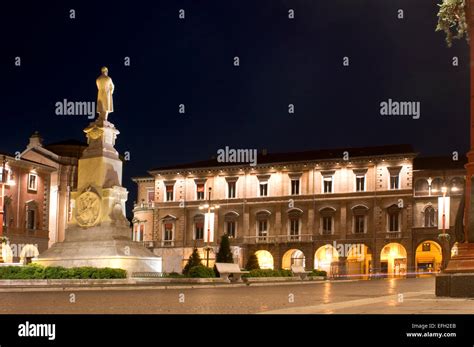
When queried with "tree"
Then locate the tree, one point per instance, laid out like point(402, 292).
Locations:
point(225, 254)
point(194, 260)
point(252, 263)
point(452, 20)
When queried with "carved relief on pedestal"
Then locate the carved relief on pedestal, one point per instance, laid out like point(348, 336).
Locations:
point(88, 206)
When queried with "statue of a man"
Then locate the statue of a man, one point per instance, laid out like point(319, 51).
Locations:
point(105, 87)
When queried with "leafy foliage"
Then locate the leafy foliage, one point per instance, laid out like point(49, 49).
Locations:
point(194, 260)
point(252, 263)
point(201, 271)
point(318, 273)
point(225, 254)
point(452, 20)
point(268, 273)
point(34, 271)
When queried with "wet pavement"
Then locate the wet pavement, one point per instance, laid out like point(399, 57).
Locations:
point(413, 295)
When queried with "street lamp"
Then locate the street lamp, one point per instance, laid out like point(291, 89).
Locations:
point(444, 204)
point(209, 224)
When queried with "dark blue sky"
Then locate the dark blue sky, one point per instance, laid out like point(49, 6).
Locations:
point(191, 62)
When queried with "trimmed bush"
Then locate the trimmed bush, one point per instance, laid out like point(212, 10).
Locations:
point(34, 271)
point(252, 263)
point(268, 273)
point(174, 275)
point(201, 271)
point(318, 273)
point(194, 260)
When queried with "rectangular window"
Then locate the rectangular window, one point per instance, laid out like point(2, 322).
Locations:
point(393, 221)
point(262, 227)
point(327, 181)
point(327, 225)
point(168, 234)
point(295, 187)
point(360, 183)
point(200, 191)
point(150, 195)
point(359, 227)
point(32, 182)
point(230, 229)
point(294, 229)
point(394, 182)
point(263, 188)
point(30, 219)
point(231, 190)
point(141, 232)
point(169, 192)
point(3, 177)
point(199, 231)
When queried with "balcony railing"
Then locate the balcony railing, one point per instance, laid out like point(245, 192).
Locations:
point(393, 235)
point(278, 238)
point(144, 205)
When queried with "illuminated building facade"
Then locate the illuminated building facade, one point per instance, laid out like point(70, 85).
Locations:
point(347, 211)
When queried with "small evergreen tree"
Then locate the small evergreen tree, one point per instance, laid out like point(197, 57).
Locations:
point(194, 260)
point(225, 254)
point(252, 263)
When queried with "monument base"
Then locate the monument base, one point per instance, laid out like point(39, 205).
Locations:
point(100, 247)
point(457, 280)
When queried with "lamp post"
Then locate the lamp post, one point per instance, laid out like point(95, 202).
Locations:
point(210, 226)
point(2, 203)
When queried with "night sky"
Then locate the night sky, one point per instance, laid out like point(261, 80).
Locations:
point(190, 62)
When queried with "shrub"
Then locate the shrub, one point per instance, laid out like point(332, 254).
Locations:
point(201, 271)
point(174, 275)
point(194, 260)
point(268, 273)
point(318, 273)
point(252, 263)
point(34, 271)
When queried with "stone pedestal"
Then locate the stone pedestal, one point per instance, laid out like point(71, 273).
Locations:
point(457, 280)
point(98, 233)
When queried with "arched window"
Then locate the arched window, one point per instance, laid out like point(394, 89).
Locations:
point(436, 186)
point(327, 220)
point(31, 215)
point(456, 185)
point(394, 215)
point(360, 219)
point(422, 187)
point(430, 217)
point(263, 227)
point(230, 224)
point(294, 223)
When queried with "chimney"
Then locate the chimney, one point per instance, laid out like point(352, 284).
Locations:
point(35, 140)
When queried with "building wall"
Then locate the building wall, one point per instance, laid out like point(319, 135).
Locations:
point(377, 197)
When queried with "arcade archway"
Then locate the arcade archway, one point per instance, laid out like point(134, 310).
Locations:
point(428, 257)
point(265, 259)
point(293, 257)
point(324, 258)
point(393, 260)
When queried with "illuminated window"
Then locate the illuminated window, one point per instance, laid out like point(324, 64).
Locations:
point(150, 195)
point(169, 192)
point(4, 177)
point(200, 191)
point(32, 182)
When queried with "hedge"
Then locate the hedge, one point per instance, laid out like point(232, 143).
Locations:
point(34, 271)
point(268, 273)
